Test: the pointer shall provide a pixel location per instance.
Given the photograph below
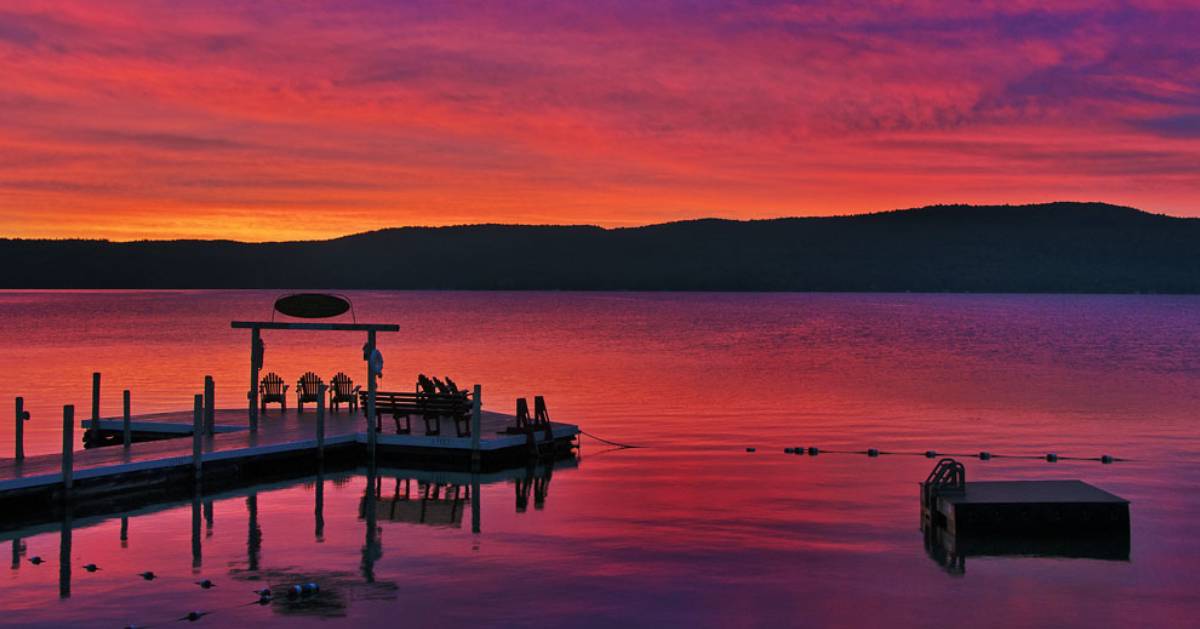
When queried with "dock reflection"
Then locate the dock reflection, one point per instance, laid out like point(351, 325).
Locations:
point(951, 552)
point(390, 497)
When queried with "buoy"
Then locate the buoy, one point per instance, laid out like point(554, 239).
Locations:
point(814, 451)
point(872, 451)
point(264, 599)
point(206, 584)
point(36, 560)
point(788, 450)
point(798, 449)
point(750, 449)
point(1106, 458)
point(263, 592)
point(311, 588)
point(1052, 457)
point(147, 575)
point(295, 591)
point(929, 454)
point(194, 616)
point(985, 455)
point(91, 567)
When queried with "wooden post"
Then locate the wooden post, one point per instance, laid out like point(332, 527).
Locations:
point(254, 533)
point(68, 451)
point(476, 419)
point(197, 433)
point(254, 366)
point(372, 438)
point(319, 506)
point(126, 418)
point(22, 417)
point(321, 421)
point(95, 427)
point(196, 551)
point(475, 504)
point(64, 553)
point(209, 412)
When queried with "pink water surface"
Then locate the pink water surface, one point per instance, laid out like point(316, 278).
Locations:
point(692, 529)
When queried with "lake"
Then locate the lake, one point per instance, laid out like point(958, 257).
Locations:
point(690, 528)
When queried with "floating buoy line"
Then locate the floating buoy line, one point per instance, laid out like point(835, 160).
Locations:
point(984, 455)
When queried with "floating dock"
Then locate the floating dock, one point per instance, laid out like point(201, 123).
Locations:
point(1053, 508)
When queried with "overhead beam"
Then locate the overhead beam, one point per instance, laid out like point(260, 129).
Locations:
point(344, 327)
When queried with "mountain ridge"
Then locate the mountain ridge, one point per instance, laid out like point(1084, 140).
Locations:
point(1052, 247)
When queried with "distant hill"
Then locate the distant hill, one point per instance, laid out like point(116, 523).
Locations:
point(1054, 247)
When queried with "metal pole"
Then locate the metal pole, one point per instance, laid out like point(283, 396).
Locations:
point(209, 399)
point(68, 451)
point(126, 428)
point(476, 419)
point(254, 365)
point(197, 433)
point(372, 438)
point(321, 421)
point(22, 417)
point(95, 427)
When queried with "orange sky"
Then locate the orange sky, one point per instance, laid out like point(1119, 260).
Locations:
point(312, 119)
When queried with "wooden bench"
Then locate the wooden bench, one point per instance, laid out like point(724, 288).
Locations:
point(431, 408)
point(272, 389)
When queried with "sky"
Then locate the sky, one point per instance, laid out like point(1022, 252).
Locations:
point(297, 120)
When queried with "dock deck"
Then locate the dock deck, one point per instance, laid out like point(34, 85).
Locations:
point(284, 439)
point(1043, 507)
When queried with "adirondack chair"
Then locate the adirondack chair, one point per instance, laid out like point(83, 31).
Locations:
point(307, 390)
point(272, 389)
point(343, 389)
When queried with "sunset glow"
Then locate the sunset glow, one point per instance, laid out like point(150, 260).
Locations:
point(263, 121)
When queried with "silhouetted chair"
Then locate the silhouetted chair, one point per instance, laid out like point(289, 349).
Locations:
point(307, 390)
point(429, 401)
point(343, 389)
point(272, 389)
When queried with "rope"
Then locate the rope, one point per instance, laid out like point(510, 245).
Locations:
point(611, 443)
point(1050, 457)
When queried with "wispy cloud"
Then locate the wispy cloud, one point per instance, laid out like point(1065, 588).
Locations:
point(165, 115)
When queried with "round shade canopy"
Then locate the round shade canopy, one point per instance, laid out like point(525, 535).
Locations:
point(312, 305)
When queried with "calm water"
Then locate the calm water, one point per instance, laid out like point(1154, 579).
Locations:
point(690, 529)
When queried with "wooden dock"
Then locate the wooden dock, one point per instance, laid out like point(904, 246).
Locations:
point(285, 444)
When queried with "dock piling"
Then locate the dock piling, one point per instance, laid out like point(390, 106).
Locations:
point(94, 428)
point(321, 388)
point(209, 400)
point(126, 420)
point(64, 553)
point(256, 359)
point(68, 451)
point(19, 438)
point(372, 437)
point(197, 433)
point(476, 420)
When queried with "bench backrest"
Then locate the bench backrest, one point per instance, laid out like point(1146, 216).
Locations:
point(272, 384)
point(341, 385)
point(308, 383)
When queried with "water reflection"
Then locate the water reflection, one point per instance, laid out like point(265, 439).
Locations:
point(389, 498)
point(951, 551)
